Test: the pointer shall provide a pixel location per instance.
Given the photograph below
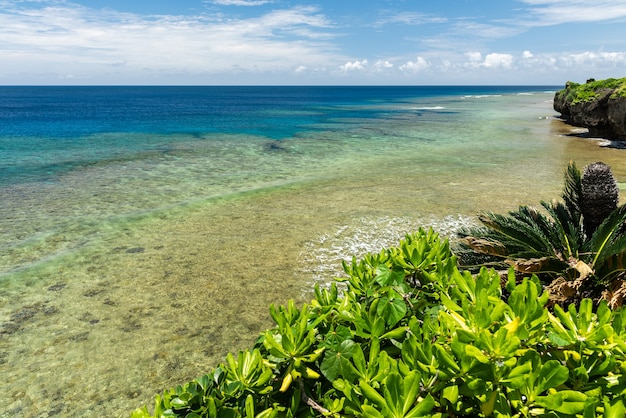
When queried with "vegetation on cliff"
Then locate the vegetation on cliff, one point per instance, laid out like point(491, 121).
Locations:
point(599, 106)
point(408, 334)
point(576, 93)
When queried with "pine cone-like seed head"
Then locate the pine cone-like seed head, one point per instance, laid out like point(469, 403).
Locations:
point(600, 195)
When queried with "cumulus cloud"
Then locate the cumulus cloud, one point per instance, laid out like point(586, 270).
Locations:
point(382, 65)
point(475, 60)
point(358, 65)
point(593, 59)
point(496, 60)
point(527, 54)
point(415, 66)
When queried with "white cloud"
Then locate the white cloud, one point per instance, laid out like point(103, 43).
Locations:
point(474, 56)
point(354, 66)
point(554, 12)
point(496, 60)
point(468, 28)
point(593, 59)
point(418, 65)
point(63, 38)
point(56, 40)
point(410, 18)
point(382, 66)
point(240, 2)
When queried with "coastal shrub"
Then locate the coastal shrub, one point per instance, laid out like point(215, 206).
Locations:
point(576, 93)
point(409, 335)
point(577, 247)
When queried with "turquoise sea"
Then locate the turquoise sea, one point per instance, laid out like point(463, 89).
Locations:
point(144, 231)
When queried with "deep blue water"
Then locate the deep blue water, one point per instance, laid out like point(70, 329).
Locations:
point(48, 130)
point(71, 112)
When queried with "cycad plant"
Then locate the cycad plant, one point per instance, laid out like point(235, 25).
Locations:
point(577, 247)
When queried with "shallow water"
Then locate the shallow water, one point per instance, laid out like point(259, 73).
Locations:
point(138, 271)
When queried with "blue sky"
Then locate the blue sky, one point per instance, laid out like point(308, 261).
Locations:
point(311, 42)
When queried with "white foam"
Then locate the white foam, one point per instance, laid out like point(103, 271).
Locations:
point(323, 255)
point(430, 108)
point(481, 96)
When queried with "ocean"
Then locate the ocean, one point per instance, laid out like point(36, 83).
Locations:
point(144, 231)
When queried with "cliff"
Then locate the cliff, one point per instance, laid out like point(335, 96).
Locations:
point(597, 105)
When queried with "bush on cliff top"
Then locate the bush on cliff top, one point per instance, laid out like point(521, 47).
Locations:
point(577, 93)
point(413, 336)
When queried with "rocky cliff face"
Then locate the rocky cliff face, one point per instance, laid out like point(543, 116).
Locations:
point(597, 105)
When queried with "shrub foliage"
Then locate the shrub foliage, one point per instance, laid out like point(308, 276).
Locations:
point(409, 335)
point(576, 92)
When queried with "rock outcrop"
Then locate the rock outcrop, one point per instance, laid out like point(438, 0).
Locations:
point(599, 106)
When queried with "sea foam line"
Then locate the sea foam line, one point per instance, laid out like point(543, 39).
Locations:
point(322, 256)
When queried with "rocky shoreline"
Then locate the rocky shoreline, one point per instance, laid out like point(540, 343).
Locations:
point(599, 106)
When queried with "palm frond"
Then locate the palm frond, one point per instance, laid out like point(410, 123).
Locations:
point(519, 233)
point(572, 190)
point(608, 237)
point(612, 267)
point(567, 230)
point(486, 246)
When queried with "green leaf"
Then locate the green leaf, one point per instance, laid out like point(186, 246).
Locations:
point(394, 395)
point(518, 376)
point(614, 408)
point(423, 408)
point(335, 336)
point(451, 393)
point(396, 334)
point(551, 375)
point(337, 362)
point(566, 402)
point(392, 308)
point(371, 412)
point(386, 276)
point(372, 395)
point(411, 388)
point(446, 359)
point(474, 352)
point(249, 406)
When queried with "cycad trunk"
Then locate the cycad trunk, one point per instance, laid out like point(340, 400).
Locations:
point(600, 195)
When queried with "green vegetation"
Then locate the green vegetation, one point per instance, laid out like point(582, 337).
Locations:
point(410, 335)
point(576, 247)
point(576, 93)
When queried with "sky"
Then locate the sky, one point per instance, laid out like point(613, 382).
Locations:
point(323, 42)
